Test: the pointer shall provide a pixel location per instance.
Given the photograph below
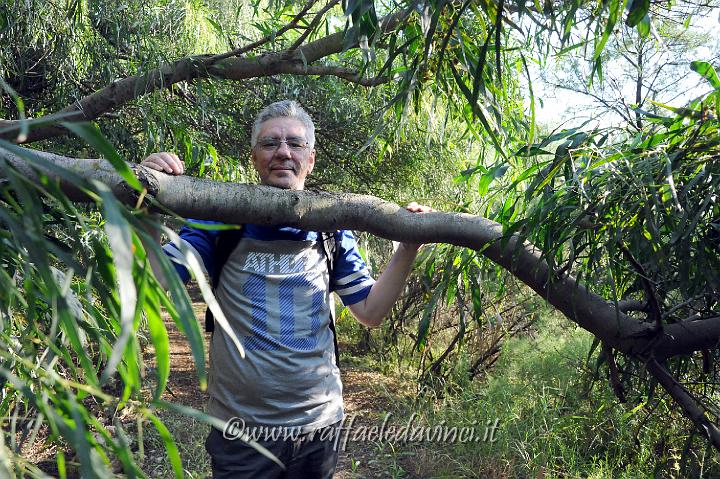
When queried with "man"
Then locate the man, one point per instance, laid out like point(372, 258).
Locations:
point(275, 289)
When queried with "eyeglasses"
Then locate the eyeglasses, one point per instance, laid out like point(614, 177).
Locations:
point(273, 144)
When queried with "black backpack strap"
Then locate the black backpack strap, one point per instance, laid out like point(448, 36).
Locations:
point(331, 251)
point(225, 244)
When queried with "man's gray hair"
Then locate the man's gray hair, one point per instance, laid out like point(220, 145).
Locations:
point(284, 109)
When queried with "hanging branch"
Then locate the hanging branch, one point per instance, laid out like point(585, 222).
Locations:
point(614, 375)
point(692, 407)
point(653, 302)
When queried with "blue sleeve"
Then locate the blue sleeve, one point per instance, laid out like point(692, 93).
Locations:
point(201, 241)
point(350, 278)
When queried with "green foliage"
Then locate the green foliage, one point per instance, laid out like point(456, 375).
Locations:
point(553, 420)
point(75, 286)
point(605, 197)
point(451, 321)
point(635, 217)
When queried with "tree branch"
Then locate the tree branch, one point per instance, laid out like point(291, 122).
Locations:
point(690, 405)
point(240, 203)
point(614, 374)
point(242, 50)
point(203, 66)
point(346, 74)
point(652, 301)
point(628, 305)
point(313, 24)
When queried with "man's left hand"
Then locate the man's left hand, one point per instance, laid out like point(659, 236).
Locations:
point(417, 208)
point(414, 207)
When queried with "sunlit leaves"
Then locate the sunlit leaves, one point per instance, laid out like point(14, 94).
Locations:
point(489, 175)
point(120, 239)
point(707, 71)
point(170, 445)
point(94, 138)
point(159, 336)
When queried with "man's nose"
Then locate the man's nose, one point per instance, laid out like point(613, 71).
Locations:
point(283, 150)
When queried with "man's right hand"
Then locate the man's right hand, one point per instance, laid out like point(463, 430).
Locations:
point(164, 161)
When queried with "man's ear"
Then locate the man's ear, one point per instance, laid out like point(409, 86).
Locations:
point(311, 161)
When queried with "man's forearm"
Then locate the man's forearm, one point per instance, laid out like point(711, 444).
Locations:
point(387, 288)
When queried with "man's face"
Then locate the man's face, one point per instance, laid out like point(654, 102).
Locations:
point(281, 156)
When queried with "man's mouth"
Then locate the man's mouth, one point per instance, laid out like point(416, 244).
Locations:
point(282, 168)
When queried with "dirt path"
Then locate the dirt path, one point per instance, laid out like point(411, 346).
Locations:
point(365, 407)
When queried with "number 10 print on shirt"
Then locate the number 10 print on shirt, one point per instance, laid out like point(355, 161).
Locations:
point(296, 324)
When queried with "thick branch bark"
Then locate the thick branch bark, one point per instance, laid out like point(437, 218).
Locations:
point(697, 413)
point(239, 203)
point(235, 68)
point(267, 38)
point(631, 305)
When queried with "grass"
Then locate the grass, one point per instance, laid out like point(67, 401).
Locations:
point(190, 437)
point(554, 421)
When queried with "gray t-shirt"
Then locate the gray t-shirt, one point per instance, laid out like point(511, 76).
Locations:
point(275, 291)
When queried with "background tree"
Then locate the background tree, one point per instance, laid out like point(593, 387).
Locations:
point(642, 67)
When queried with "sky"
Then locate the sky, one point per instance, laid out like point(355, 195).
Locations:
point(560, 106)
